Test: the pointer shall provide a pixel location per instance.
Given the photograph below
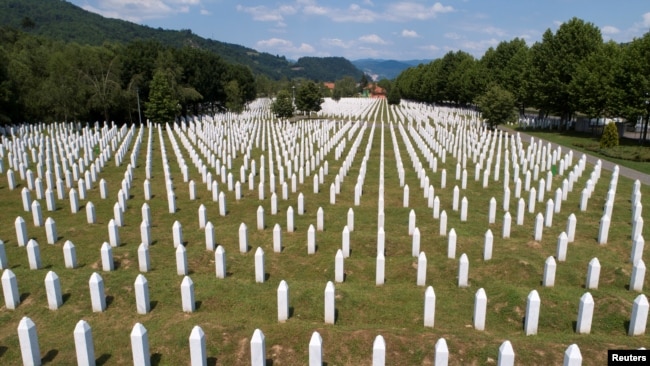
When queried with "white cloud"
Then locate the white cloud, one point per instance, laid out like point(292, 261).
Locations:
point(261, 13)
point(491, 30)
point(481, 45)
point(646, 20)
point(283, 46)
point(431, 47)
point(452, 35)
point(336, 42)
point(609, 30)
point(205, 12)
point(138, 10)
point(372, 38)
point(407, 33)
point(406, 10)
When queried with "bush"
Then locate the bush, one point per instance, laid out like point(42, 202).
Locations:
point(609, 137)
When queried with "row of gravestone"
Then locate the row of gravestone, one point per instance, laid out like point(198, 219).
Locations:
point(139, 339)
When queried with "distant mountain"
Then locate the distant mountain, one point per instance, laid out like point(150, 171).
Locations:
point(58, 19)
point(325, 68)
point(385, 69)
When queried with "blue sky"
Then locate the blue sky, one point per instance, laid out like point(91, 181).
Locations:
point(391, 29)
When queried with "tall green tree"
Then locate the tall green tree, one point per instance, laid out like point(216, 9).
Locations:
point(234, 100)
point(507, 66)
point(162, 106)
point(554, 63)
point(100, 72)
point(593, 87)
point(308, 98)
point(633, 82)
point(497, 106)
point(346, 87)
point(282, 107)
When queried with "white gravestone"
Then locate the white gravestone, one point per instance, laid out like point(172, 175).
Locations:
point(533, 303)
point(480, 308)
point(97, 296)
point(283, 301)
point(220, 262)
point(316, 350)
point(463, 271)
point(187, 295)
point(639, 317)
point(593, 274)
point(141, 287)
point(258, 349)
point(144, 263)
point(10, 289)
point(140, 345)
point(83, 342)
point(28, 340)
point(198, 356)
point(378, 351)
point(585, 314)
point(330, 305)
point(429, 307)
point(53, 291)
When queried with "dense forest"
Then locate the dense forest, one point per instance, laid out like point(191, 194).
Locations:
point(44, 80)
point(66, 22)
point(569, 72)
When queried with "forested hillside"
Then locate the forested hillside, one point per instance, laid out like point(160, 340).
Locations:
point(66, 22)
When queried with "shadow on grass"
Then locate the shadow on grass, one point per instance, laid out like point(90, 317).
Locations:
point(155, 359)
point(49, 356)
point(103, 359)
point(152, 305)
point(626, 326)
point(24, 296)
point(574, 326)
point(269, 362)
point(109, 300)
point(65, 297)
point(197, 305)
point(291, 311)
point(212, 361)
point(3, 349)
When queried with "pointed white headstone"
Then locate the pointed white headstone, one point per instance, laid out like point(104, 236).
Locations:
point(258, 349)
point(533, 303)
point(97, 296)
point(141, 287)
point(198, 356)
point(480, 309)
point(53, 291)
point(585, 314)
point(10, 289)
point(639, 317)
point(83, 343)
point(187, 295)
point(140, 345)
point(330, 305)
point(28, 340)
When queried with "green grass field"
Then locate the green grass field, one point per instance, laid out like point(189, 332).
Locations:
point(230, 309)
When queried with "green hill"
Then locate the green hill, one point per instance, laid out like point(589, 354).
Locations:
point(67, 22)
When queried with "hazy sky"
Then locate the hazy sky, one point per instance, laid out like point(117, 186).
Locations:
point(400, 30)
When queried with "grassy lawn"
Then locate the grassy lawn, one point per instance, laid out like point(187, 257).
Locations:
point(230, 309)
point(628, 154)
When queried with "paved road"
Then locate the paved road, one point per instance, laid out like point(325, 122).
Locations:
point(623, 171)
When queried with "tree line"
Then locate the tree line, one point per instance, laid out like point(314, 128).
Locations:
point(47, 80)
point(570, 72)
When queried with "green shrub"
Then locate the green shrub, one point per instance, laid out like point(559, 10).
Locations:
point(609, 137)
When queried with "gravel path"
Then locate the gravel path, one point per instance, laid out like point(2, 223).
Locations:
point(626, 172)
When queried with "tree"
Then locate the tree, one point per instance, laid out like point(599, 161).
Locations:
point(234, 100)
point(162, 106)
point(610, 136)
point(593, 87)
point(554, 63)
point(497, 106)
point(346, 87)
point(282, 107)
point(308, 98)
point(394, 97)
